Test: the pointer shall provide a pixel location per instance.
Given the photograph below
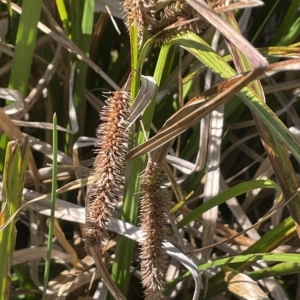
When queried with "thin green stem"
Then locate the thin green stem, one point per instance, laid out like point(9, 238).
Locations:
point(53, 201)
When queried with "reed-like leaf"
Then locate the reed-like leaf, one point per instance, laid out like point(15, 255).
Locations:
point(234, 191)
point(53, 202)
point(25, 42)
point(12, 186)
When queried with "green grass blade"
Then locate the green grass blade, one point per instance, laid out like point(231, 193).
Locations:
point(234, 191)
point(53, 200)
point(272, 239)
point(287, 24)
point(284, 268)
point(25, 43)
point(12, 185)
point(24, 48)
point(263, 24)
point(63, 15)
point(291, 35)
point(82, 16)
point(134, 60)
point(87, 18)
point(290, 258)
point(3, 143)
point(278, 257)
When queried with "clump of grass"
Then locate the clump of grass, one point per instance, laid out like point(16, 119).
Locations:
point(242, 159)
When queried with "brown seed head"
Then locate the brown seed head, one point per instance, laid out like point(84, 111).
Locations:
point(177, 18)
point(155, 204)
point(139, 13)
point(108, 167)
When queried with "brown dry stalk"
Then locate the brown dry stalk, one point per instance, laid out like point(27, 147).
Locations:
point(108, 167)
point(155, 204)
point(139, 13)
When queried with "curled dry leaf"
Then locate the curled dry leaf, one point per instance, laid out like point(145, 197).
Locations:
point(243, 287)
point(143, 98)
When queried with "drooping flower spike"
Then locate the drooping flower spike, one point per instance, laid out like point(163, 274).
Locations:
point(112, 136)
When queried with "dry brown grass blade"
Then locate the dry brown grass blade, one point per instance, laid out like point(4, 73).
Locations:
point(111, 285)
point(286, 65)
point(257, 60)
point(26, 255)
point(283, 86)
point(68, 280)
point(76, 184)
point(243, 286)
point(143, 98)
point(190, 115)
point(62, 240)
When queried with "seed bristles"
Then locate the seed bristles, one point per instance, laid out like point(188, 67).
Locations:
point(155, 204)
point(138, 12)
point(108, 168)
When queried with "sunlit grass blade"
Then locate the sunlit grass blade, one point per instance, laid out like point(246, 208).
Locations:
point(291, 258)
point(87, 18)
point(3, 143)
point(25, 42)
point(286, 28)
point(13, 182)
point(63, 15)
point(281, 51)
point(285, 268)
point(272, 239)
point(234, 191)
point(82, 16)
